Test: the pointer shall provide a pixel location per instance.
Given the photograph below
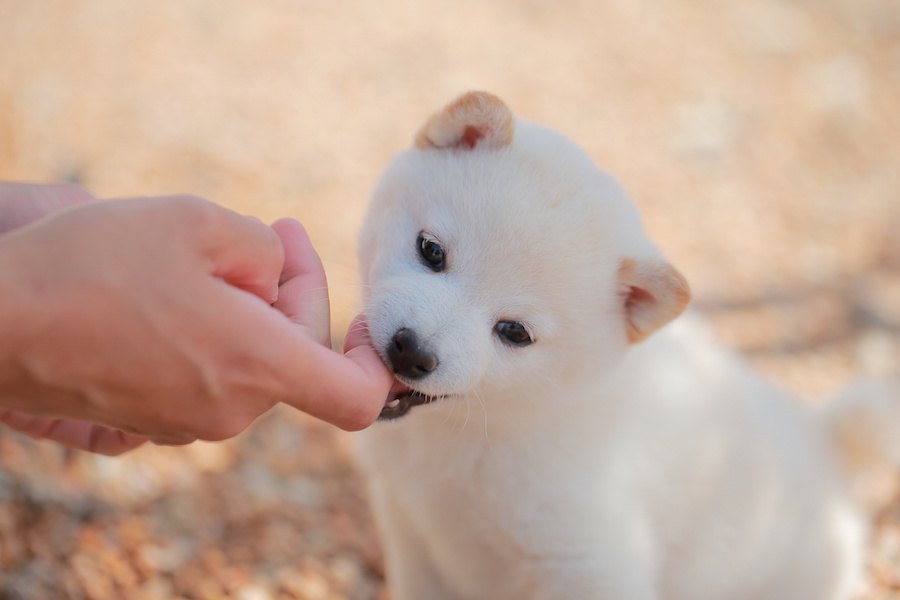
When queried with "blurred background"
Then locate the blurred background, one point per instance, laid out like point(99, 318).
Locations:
point(761, 140)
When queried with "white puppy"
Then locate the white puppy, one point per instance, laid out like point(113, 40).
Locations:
point(553, 448)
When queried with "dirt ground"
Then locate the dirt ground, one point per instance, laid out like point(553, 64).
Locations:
point(759, 138)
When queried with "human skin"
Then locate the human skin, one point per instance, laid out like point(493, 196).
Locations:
point(170, 319)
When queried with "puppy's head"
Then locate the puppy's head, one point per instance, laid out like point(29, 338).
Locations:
point(498, 261)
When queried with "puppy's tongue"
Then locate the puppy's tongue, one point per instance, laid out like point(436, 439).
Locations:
point(397, 389)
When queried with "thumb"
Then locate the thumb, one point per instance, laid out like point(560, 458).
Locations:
point(358, 348)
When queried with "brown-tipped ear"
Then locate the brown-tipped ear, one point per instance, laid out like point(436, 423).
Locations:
point(474, 119)
point(653, 293)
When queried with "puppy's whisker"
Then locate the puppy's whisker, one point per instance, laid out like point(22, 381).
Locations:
point(448, 414)
point(468, 412)
point(485, 415)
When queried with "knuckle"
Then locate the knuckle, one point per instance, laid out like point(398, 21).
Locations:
point(198, 207)
point(193, 210)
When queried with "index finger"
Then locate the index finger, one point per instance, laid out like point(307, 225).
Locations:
point(245, 252)
point(238, 249)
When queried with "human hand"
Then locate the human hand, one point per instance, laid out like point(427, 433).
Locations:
point(152, 317)
point(21, 204)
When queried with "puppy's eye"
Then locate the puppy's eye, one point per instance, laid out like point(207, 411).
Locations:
point(431, 252)
point(513, 333)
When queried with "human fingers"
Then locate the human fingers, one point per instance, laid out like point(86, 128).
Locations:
point(82, 435)
point(359, 349)
point(71, 433)
point(303, 289)
point(247, 254)
point(240, 250)
point(346, 390)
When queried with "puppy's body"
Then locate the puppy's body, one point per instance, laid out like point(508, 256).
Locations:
point(578, 463)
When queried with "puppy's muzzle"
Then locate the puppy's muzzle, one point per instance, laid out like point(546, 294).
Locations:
point(408, 357)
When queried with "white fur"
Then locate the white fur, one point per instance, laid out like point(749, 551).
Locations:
point(581, 466)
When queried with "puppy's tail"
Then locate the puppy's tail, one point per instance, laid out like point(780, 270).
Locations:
point(864, 423)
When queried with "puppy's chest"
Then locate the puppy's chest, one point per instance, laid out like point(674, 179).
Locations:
point(489, 501)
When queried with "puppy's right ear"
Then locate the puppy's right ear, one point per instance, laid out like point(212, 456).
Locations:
point(653, 293)
point(474, 119)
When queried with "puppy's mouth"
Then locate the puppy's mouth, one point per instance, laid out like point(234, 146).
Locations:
point(401, 399)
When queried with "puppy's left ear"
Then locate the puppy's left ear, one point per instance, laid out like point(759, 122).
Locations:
point(653, 293)
point(474, 119)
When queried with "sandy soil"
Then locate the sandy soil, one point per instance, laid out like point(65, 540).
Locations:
point(760, 139)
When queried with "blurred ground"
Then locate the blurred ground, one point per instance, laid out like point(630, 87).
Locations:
point(760, 139)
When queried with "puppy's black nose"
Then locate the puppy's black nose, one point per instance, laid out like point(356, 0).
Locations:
point(408, 357)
